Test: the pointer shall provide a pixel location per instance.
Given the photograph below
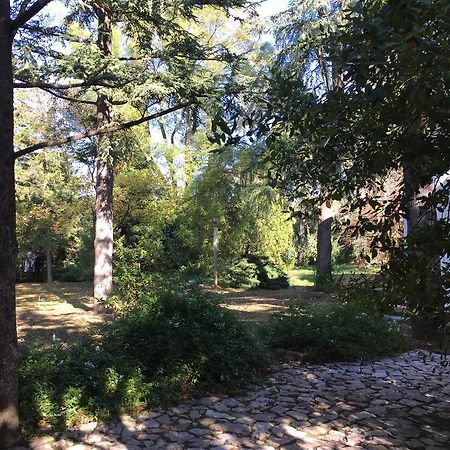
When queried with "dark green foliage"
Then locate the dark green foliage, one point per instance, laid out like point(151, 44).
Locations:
point(340, 332)
point(270, 276)
point(176, 345)
point(366, 292)
point(188, 330)
point(241, 273)
point(255, 271)
point(80, 266)
point(387, 112)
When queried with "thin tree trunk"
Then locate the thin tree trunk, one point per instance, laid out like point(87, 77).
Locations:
point(103, 243)
point(9, 416)
point(323, 268)
point(216, 251)
point(49, 264)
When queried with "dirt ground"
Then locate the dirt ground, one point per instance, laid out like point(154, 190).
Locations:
point(62, 311)
point(256, 305)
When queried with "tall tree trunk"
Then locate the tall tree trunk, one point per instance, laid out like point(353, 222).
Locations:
point(323, 268)
point(423, 324)
point(103, 243)
point(9, 416)
point(49, 264)
point(324, 245)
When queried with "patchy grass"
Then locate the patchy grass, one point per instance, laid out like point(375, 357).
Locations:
point(302, 277)
point(63, 310)
point(257, 305)
point(305, 276)
point(60, 311)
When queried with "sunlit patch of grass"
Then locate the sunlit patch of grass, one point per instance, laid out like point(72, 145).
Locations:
point(58, 291)
point(59, 311)
point(351, 269)
point(305, 276)
point(302, 277)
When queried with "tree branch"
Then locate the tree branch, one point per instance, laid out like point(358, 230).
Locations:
point(80, 100)
point(24, 16)
point(44, 85)
point(29, 85)
point(70, 99)
point(99, 131)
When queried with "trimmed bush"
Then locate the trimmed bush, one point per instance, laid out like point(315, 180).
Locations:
point(241, 273)
point(256, 271)
point(177, 345)
point(339, 332)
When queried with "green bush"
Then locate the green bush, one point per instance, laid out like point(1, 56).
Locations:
point(255, 271)
point(338, 332)
point(366, 292)
point(176, 345)
point(188, 330)
point(73, 271)
point(241, 273)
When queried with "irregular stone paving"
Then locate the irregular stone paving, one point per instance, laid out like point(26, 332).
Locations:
point(398, 403)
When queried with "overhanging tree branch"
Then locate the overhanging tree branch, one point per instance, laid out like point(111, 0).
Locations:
point(25, 15)
point(80, 100)
point(69, 99)
point(99, 131)
point(63, 87)
point(30, 85)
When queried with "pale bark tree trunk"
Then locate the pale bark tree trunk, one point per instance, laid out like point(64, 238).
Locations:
point(49, 264)
point(324, 244)
point(9, 416)
point(103, 243)
point(323, 263)
point(323, 260)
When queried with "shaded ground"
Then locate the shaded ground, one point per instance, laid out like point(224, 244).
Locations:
point(256, 305)
point(63, 310)
point(60, 311)
point(397, 403)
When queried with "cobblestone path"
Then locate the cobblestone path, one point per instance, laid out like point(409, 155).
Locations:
point(396, 403)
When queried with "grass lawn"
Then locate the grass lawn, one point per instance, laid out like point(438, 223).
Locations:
point(62, 311)
point(59, 311)
point(305, 276)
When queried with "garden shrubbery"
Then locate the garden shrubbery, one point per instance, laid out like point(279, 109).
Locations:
point(251, 271)
point(338, 332)
point(176, 345)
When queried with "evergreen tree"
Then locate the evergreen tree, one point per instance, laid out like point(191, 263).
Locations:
point(27, 39)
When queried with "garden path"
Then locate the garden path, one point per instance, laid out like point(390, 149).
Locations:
point(398, 403)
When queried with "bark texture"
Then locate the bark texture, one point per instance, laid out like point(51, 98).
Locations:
point(9, 417)
point(103, 244)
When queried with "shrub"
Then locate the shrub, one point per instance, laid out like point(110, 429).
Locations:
point(366, 292)
point(72, 271)
point(188, 330)
point(256, 271)
point(241, 273)
point(338, 332)
point(176, 345)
